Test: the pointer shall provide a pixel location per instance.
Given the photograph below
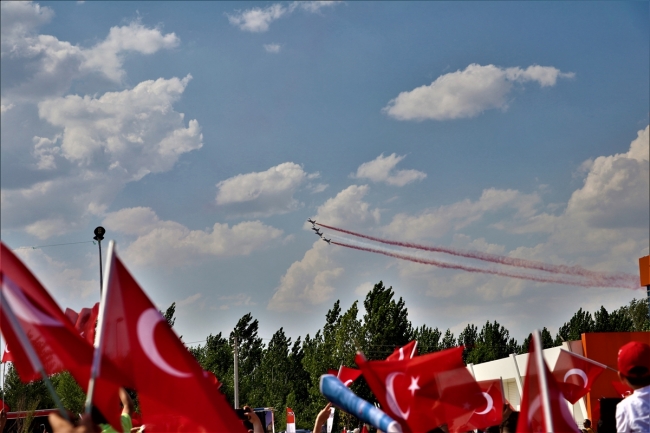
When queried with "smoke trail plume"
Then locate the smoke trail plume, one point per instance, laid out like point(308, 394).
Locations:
point(531, 277)
point(600, 279)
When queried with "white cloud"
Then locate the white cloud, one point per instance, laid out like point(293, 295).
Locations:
point(106, 57)
point(615, 191)
point(263, 193)
point(363, 288)
point(171, 244)
point(238, 300)
point(439, 221)
point(348, 209)
point(189, 300)
point(307, 282)
point(272, 48)
point(312, 6)
point(18, 19)
point(106, 142)
point(42, 65)
point(382, 168)
point(257, 19)
point(5, 107)
point(468, 93)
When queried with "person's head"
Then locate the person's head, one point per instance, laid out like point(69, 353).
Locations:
point(586, 423)
point(633, 362)
point(509, 424)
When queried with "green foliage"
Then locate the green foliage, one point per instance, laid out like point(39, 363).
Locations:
point(25, 396)
point(71, 394)
point(251, 351)
point(580, 323)
point(448, 341)
point(385, 324)
point(428, 339)
point(493, 342)
point(169, 314)
point(547, 341)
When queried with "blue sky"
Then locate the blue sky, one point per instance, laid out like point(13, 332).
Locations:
point(202, 136)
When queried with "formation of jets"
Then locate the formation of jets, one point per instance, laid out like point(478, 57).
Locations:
point(317, 230)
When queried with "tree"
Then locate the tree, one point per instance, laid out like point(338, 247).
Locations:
point(250, 349)
point(216, 356)
point(493, 342)
point(580, 323)
point(25, 396)
point(547, 341)
point(428, 339)
point(448, 341)
point(169, 314)
point(637, 311)
point(467, 338)
point(71, 394)
point(385, 324)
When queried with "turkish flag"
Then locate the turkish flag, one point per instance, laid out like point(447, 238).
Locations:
point(620, 387)
point(492, 413)
point(531, 416)
point(173, 391)
point(57, 344)
point(426, 391)
point(347, 375)
point(408, 351)
point(6, 355)
point(84, 321)
point(575, 375)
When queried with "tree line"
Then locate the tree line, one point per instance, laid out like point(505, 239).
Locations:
point(286, 373)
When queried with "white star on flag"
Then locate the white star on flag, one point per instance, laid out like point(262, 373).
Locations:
point(414, 385)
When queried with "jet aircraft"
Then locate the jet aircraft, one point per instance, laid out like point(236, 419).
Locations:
point(327, 240)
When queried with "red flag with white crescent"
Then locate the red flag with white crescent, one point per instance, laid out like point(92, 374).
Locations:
point(426, 391)
point(57, 344)
point(173, 390)
point(291, 421)
point(6, 355)
point(492, 412)
point(575, 375)
point(532, 417)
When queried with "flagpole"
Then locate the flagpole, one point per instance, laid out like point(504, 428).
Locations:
point(31, 353)
point(99, 335)
point(543, 381)
point(584, 358)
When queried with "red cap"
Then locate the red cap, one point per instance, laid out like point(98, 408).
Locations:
point(633, 354)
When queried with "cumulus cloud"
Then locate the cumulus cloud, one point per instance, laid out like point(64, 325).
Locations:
point(37, 65)
point(439, 221)
point(107, 58)
point(615, 190)
point(106, 142)
point(171, 244)
point(307, 282)
point(347, 209)
point(469, 92)
point(272, 48)
point(258, 20)
point(382, 169)
point(263, 193)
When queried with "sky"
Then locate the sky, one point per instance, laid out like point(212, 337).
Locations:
point(202, 135)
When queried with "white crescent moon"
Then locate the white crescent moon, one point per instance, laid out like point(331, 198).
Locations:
point(536, 404)
point(23, 308)
point(401, 354)
point(490, 404)
point(146, 325)
point(577, 372)
point(348, 382)
point(390, 396)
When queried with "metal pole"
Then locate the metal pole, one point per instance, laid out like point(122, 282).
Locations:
point(101, 276)
point(99, 237)
point(236, 356)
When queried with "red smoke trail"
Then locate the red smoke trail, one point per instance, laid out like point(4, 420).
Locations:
point(537, 278)
point(600, 279)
